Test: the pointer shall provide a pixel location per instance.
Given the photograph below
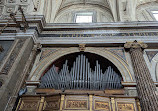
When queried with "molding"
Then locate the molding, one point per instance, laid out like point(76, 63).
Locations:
point(41, 32)
point(117, 61)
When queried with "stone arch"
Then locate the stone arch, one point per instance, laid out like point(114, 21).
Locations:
point(117, 61)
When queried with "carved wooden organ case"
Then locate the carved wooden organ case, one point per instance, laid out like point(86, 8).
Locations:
point(80, 81)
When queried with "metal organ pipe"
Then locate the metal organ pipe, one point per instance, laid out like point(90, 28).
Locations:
point(81, 76)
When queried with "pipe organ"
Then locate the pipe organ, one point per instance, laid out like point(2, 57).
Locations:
point(81, 76)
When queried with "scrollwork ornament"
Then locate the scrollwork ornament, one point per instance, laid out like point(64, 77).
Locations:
point(135, 45)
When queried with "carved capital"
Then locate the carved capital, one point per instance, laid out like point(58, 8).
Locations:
point(135, 45)
point(37, 47)
point(82, 47)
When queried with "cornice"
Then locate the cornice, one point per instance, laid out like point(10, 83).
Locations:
point(103, 33)
point(39, 23)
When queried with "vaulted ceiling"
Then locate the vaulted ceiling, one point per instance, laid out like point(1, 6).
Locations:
point(56, 11)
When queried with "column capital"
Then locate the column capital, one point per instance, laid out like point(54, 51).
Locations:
point(135, 45)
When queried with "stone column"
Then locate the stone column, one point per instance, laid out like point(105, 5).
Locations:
point(145, 86)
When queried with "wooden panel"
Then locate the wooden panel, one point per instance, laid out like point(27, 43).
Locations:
point(122, 106)
point(126, 104)
point(29, 104)
point(76, 102)
point(101, 103)
point(52, 103)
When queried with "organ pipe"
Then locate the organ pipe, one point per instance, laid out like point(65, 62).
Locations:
point(81, 76)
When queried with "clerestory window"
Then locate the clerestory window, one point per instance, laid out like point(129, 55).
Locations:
point(155, 14)
point(84, 17)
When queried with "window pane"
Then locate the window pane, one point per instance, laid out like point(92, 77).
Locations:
point(156, 16)
point(83, 19)
point(155, 12)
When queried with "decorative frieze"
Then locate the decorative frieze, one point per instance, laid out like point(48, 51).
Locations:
point(125, 106)
point(76, 104)
point(102, 105)
point(114, 34)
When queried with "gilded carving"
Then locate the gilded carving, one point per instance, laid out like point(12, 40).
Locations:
point(135, 45)
point(100, 105)
point(29, 106)
point(76, 104)
point(52, 105)
point(82, 47)
point(125, 106)
point(113, 104)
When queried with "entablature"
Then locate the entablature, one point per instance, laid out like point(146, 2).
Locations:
point(72, 33)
